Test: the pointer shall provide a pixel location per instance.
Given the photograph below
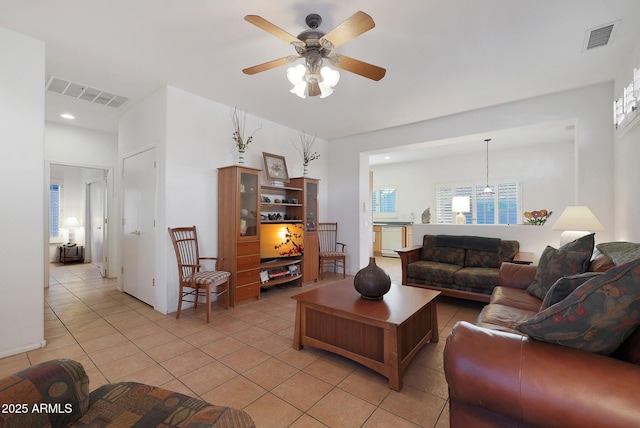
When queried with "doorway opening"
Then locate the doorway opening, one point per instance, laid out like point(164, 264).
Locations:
point(78, 205)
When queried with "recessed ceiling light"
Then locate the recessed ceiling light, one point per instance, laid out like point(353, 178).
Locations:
point(67, 116)
point(387, 157)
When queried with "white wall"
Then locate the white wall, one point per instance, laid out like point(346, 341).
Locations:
point(538, 169)
point(22, 219)
point(627, 172)
point(193, 139)
point(589, 108)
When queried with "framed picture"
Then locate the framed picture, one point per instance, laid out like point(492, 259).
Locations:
point(276, 167)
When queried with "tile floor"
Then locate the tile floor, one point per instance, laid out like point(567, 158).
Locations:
point(243, 358)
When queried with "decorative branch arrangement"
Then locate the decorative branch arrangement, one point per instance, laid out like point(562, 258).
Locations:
point(239, 120)
point(305, 147)
point(296, 248)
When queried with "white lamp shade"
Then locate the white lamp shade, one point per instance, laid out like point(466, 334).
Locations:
point(71, 223)
point(296, 74)
point(578, 217)
point(460, 204)
point(330, 77)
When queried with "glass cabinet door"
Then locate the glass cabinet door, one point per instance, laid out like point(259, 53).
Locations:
point(311, 206)
point(248, 204)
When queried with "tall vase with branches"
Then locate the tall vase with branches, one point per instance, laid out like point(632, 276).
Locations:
point(239, 121)
point(304, 145)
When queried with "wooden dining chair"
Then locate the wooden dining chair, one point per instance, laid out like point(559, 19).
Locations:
point(331, 251)
point(195, 282)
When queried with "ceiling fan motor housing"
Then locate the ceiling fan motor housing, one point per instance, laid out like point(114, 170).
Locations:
point(313, 20)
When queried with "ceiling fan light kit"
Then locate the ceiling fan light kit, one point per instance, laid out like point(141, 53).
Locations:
point(314, 46)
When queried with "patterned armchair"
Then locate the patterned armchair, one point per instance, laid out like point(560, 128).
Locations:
point(56, 394)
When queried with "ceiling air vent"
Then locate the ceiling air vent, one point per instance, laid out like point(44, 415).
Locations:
point(84, 92)
point(600, 36)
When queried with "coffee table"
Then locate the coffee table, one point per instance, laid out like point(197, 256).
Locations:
point(383, 335)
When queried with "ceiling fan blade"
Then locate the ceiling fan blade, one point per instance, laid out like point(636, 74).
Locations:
point(362, 68)
point(267, 26)
point(313, 89)
point(357, 24)
point(269, 65)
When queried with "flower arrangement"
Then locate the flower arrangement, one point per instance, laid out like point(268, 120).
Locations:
point(537, 218)
point(239, 120)
point(305, 147)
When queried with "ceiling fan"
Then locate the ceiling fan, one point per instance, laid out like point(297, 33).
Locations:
point(314, 46)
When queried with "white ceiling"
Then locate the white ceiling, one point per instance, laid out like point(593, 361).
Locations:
point(442, 57)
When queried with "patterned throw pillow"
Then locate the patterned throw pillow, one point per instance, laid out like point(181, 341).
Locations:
point(553, 265)
point(597, 317)
point(584, 243)
point(565, 286)
point(620, 252)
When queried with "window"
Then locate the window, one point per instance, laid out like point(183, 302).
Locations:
point(499, 207)
point(384, 201)
point(626, 106)
point(54, 210)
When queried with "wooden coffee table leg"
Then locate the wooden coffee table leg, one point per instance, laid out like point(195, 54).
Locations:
point(298, 328)
point(435, 336)
point(392, 358)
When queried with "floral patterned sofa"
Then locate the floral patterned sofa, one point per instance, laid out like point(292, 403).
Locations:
point(56, 394)
point(465, 267)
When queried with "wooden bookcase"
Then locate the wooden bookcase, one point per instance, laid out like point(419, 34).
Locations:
point(244, 204)
point(309, 211)
point(239, 230)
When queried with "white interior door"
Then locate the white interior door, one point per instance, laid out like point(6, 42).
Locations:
point(139, 203)
point(97, 226)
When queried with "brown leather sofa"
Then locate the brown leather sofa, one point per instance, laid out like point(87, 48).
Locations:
point(500, 378)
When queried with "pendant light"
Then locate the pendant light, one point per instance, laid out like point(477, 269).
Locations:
point(487, 188)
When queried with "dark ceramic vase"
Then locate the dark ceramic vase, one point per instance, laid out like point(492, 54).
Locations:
point(372, 282)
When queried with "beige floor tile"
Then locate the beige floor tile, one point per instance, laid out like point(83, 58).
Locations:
point(154, 375)
point(205, 378)
point(299, 359)
point(222, 347)
point(273, 345)
point(384, 419)
point(367, 385)
point(108, 341)
point(244, 358)
point(302, 390)
point(270, 411)
point(331, 368)
point(414, 405)
point(341, 409)
point(237, 392)
point(43, 354)
point(9, 367)
point(106, 356)
point(177, 386)
point(270, 373)
point(122, 367)
point(427, 380)
point(204, 337)
point(169, 350)
point(145, 329)
point(187, 362)
point(306, 421)
point(162, 337)
point(252, 334)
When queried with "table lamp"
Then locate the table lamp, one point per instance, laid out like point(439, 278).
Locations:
point(460, 204)
point(576, 221)
point(71, 223)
